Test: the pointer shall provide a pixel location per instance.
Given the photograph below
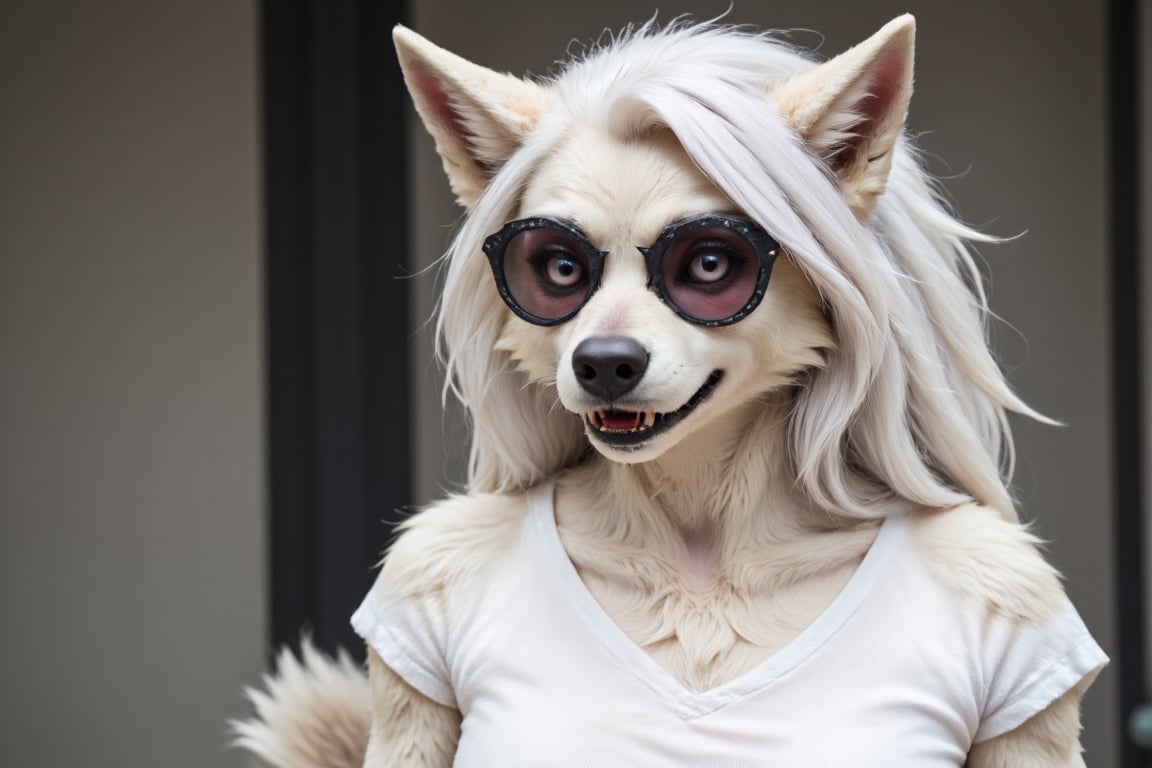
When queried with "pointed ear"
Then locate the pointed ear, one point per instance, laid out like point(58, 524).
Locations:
point(476, 116)
point(851, 109)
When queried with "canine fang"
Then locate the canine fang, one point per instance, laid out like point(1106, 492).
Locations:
point(622, 421)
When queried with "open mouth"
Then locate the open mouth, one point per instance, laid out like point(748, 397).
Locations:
point(631, 429)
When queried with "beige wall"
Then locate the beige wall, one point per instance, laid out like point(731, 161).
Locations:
point(131, 556)
point(1013, 97)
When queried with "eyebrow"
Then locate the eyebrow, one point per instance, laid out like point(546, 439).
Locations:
point(731, 213)
point(569, 221)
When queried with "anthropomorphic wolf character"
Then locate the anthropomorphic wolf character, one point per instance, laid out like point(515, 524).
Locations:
point(738, 489)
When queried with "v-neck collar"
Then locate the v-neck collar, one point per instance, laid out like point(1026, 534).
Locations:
point(689, 703)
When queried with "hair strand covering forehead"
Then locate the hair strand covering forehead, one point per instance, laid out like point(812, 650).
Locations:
point(911, 405)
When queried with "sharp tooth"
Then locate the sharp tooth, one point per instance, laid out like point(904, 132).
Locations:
point(649, 418)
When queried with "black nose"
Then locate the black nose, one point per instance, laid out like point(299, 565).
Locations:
point(609, 366)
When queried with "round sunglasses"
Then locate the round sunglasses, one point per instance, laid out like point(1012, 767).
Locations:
point(711, 270)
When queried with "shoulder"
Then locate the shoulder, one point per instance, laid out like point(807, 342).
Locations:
point(449, 545)
point(986, 560)
point(1018, 637)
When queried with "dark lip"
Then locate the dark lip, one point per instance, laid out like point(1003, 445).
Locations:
point(664, 421)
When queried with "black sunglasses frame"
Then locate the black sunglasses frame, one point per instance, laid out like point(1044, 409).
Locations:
point(765, 247)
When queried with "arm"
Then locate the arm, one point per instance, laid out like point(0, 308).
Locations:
point(1051, 739)
point(440, 560)
point(408, 728)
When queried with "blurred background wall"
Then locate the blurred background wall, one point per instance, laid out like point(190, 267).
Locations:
point(132, 556)
point(132, 601)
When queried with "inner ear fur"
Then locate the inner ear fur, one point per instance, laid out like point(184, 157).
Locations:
point(477, 117)
point(851, 110)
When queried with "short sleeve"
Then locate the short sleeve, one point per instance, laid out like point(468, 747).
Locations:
point(1028, 665)
point(408, 634)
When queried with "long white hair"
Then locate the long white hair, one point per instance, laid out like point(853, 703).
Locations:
point(911, 404)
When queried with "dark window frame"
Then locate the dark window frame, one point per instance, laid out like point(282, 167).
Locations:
point(336, 312)
point(1124, 105)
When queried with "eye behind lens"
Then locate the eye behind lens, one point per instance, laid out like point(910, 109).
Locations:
point(547, 272)
point(559, 269)
point(703, 261)
point(710, 273)
point(708, 265)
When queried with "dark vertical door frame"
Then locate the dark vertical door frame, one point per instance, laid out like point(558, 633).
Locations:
point(1124, 96)
point(336, 312)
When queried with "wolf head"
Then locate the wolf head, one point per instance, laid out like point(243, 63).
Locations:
point(690, 222)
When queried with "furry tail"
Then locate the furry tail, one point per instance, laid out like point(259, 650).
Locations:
point(314, 712)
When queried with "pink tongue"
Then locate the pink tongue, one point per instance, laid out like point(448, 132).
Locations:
point(621, 419)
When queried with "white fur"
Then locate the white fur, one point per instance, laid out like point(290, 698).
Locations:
point(313, 713)
point(415, 733)
point(860, 387)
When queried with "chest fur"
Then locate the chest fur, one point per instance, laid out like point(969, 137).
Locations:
point(706, 616)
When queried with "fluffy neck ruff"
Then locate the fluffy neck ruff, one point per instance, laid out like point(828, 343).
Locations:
point(720, 491)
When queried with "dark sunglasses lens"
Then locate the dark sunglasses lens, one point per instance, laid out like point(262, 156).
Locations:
point(547, 272)
point(710, 273)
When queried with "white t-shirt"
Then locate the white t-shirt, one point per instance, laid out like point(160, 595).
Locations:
point(895, 672)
